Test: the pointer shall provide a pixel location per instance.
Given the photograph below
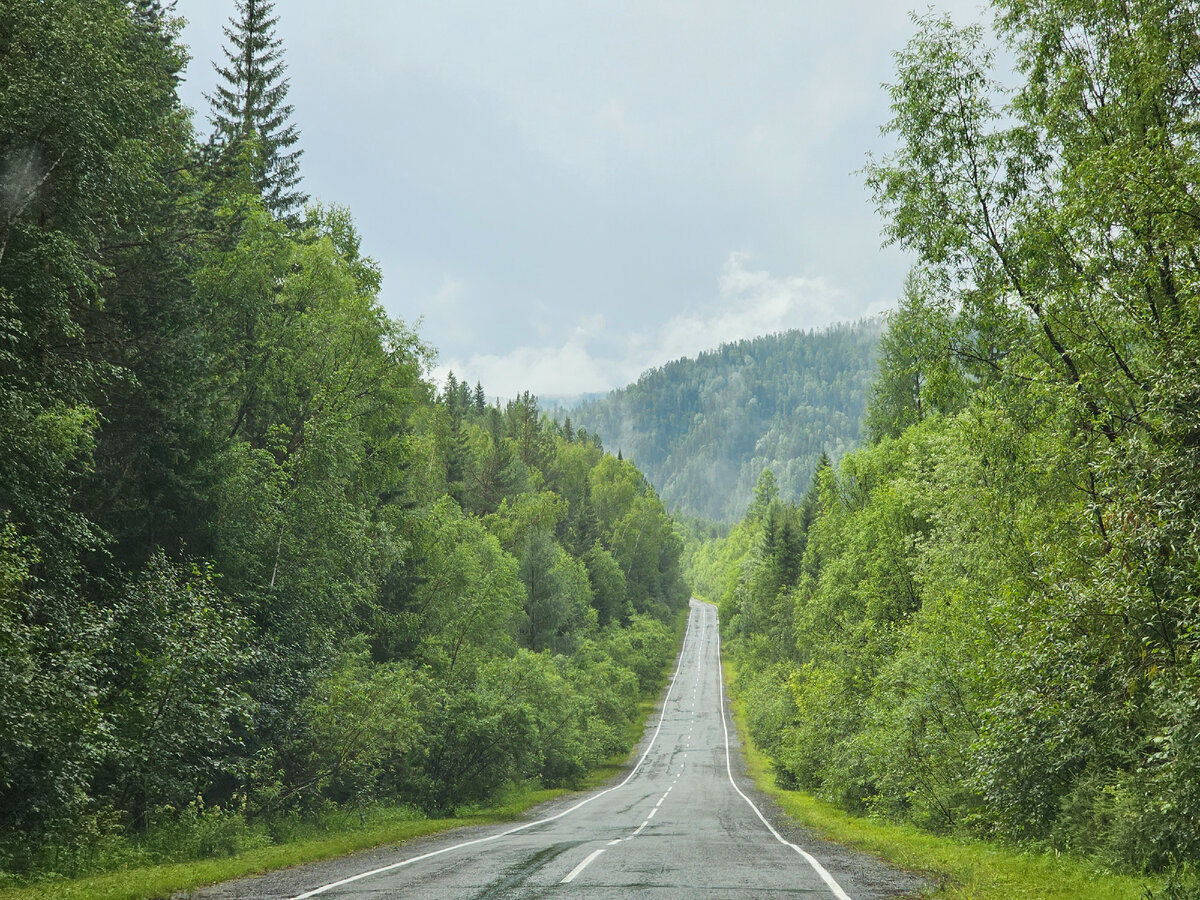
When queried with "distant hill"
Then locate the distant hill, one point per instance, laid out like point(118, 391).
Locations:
point(704, 429)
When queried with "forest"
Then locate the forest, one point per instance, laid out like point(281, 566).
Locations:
point(986, 619)
point(254, 566)
point(703, 429)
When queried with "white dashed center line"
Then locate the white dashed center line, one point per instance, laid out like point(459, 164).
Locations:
point(583, 865)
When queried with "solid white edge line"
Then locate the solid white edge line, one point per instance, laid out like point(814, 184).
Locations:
point(809, 858)
point(583, 865)
point(495, 837)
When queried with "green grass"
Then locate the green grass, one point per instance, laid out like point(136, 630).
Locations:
point(159, 881)
point(960, 868)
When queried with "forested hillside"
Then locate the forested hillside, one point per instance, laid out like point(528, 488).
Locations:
point(253, 565)
point(987, 619)
point(704, 429)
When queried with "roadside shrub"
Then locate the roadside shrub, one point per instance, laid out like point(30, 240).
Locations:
point(199, 831)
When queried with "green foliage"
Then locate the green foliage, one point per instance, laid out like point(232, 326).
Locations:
point(471, 598)
point(91, 124)
point(961, 868)
point(919, 374)
point(608, 585)
point(177, 655)
point(993, 627)
point(557, 592)
point(363, 723)
point(254, 568)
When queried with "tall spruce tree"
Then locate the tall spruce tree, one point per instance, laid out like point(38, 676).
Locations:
point(250, 105)
point(159, 24)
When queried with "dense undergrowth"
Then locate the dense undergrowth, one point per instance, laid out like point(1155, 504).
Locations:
point(207, 846)
point(956, 867)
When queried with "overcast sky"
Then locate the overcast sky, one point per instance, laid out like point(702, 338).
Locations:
point(566, 193)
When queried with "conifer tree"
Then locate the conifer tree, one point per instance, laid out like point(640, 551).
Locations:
point(158, 21)
point(450, 396)
point(458, 451)
point(250, 105)
point(466, 402)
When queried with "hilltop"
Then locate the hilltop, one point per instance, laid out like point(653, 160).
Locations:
point(703, 429)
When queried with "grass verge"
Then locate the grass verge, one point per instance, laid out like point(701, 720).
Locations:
point(961, 868)
point(145, 883)
point(158, 881)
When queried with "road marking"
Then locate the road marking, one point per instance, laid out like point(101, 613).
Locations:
point(614, 843)
point(495, 837)
point(583, 865)
point(652, 812)
point(812, 860)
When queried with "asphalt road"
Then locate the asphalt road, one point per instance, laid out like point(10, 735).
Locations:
point(678, 826)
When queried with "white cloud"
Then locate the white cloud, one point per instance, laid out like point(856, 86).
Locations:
point(748, 303)
point(594, 155)
point(450, 291)
point(448, 309)
point(753, 303)
point(569, 369)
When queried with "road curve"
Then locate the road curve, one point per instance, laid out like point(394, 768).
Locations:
point(678, 826)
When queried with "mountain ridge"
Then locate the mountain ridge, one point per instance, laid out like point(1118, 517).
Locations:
point(704, 428)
